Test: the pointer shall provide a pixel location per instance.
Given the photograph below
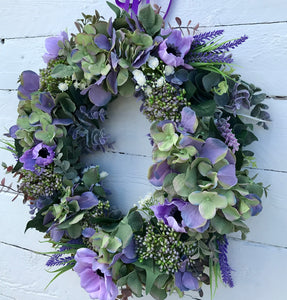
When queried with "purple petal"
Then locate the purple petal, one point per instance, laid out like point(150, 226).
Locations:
point(64, 122)
point(47, 103)
point(158, 172)
point(28, 160)
point(192, 217)
point(255, 210)
point(102, 42)
point(98, 95)
point(227, 175)
point(112, 81)
point(190, 141)
point(124, 5)
point(214, 150)
point(88, 232)
point(56, 234)
point(114, 60)
point(12, 131)
point(188, 119)
point(88, 200)
point(30, 81)
point(190, 282)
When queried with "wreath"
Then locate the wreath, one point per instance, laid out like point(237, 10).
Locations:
point(202, 117)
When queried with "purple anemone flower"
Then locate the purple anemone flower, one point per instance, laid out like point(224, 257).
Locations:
point(173, 49)
point(52, 46)
point(179, 214)
point(96, 278)
point(29, 83)
point(40, 155)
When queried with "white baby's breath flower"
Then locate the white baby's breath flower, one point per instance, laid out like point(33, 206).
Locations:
point(76, 84)
point(168, 70)
point(104, 174)
point(145, 201)
point(160, 82)
point(148, 90)
point(153, 62)
point(63, 86)
point(139, 77)
point(82, 86)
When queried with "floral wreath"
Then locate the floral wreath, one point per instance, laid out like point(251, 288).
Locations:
point(202, 118)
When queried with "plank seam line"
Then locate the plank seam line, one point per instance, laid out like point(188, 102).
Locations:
point(203, 26)
point(258, 243)
point(23, 248)
point(268, 97)
point(267, 170)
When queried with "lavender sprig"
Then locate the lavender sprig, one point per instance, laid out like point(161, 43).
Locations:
point(200, 39)
point(224, 128)
point(223, 261)
point(210, 57)
point(230, 45)
point(58, 260)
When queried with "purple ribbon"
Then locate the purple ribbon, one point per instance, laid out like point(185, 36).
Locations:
point(135, 5)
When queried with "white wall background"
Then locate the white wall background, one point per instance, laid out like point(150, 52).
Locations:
point(260, 262)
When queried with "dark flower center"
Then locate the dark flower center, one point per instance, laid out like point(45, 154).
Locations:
point(100, 273)
point(176, 214)
point(44, 153)
point(171, 49)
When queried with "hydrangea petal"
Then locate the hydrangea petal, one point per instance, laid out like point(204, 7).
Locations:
point(213, 149)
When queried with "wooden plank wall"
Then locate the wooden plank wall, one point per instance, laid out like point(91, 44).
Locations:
point(260, 262)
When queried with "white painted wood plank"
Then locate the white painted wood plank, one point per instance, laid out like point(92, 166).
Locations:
point(259, 274)
point(23, 276)
point(40, 18)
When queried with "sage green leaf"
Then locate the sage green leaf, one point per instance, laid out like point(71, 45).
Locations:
point(179, 185)
point(168, 184)
point(75, 231)
point(243, 207)
point(207, 209)
point(124, 232)
point(89, 29)
point(91, 176)
point(122, 77)
point(141, 39)
point(204, 168)
point(127, 89)
point(231, 213)
point(151, 21)
point(113, 245)
point(77, 218)
point(83, 39)
point(47, 135)
point(134, 283)
point(62, 71)
point(221, 225)
point(77, 56)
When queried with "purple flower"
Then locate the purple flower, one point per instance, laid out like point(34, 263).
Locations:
point(97, 94)
point(46, 104)
point(178, 214)
point(173, 49)
point(185, 281)
point(29, 83)
point(52, 46)
point(188, 120)
point(86, 201)
point(96, 278)
point(127, 255)
point(40, 155)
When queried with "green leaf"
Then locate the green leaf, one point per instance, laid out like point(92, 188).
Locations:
point(77, 56)
point(134, 283)
point(152, 272)
point(62, 71)
point(91, 177)
point(77, 218)
point(83, 39)
point(221, 225)
point(75, 231)
point(124, 232)
point(89, 29)
point(135, 221)
point(231, 213)
point(141, 39)
point(179, 185)
point(47, 135)
point(206, 108)
point(37, 222)
point(123, 76)
point(127, 89)
point(210, 80)
point(116, 10)
point(151, 21)
point(113, 245)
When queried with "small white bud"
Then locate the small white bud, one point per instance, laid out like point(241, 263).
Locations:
point(160, 82)
point(63, 87)
point(153, 62)
point(168, 70)
point(104, 174)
